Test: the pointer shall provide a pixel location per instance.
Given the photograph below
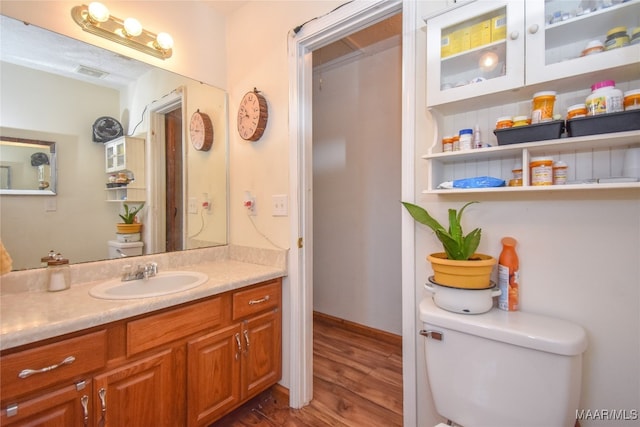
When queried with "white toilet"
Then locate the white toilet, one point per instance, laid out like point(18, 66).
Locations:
point(119, 249)
point(503, 369)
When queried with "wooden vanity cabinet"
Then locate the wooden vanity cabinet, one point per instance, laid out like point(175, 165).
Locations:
point(145, 393)
point(230, 366)
point(59, 408)
point(185, 365)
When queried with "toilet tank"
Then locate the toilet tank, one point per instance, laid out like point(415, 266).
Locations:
point(503, 369)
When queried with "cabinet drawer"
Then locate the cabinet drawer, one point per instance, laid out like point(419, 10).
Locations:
point(152, 331)
point(256, 300)
point(83, 354)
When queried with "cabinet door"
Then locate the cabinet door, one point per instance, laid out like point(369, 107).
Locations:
point(143, 393)
point(213, 375)
point(475, 49)
point(67, 406)
point(558, 31)
point(261, 360)
point(115, 155)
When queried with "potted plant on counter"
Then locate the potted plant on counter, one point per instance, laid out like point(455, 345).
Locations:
point(459, 265)
point(129, 222)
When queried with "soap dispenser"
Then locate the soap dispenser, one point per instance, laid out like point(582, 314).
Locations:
point(59, 273)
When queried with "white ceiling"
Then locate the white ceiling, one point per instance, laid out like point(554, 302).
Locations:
point(34, 47)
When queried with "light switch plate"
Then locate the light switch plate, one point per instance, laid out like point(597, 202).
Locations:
point(192, 208)
point(280, 205)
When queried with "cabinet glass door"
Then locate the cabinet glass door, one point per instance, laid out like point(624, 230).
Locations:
point(473, 50)
point(566, 37)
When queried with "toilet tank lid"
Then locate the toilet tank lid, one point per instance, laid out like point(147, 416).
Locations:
point(528, 330)
point(124, 245)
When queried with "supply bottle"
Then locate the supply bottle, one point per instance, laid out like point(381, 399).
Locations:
point(59, 274)
point(477, 139)
point(466, 139)
point(509, 276)
point(604, 98)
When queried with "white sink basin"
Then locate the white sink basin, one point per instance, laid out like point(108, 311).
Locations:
point(164, 283)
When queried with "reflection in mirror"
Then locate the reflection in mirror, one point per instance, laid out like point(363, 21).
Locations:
point(57, 95)
point(27, 167)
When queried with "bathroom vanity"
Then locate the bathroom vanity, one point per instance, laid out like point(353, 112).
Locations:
point(182, 359)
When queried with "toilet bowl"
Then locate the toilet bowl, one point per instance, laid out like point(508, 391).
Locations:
point(503, 369)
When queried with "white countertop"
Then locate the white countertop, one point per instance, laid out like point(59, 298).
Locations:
point(28, 317)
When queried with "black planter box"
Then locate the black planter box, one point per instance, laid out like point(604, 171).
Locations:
point(604, 123)
point(529, 133)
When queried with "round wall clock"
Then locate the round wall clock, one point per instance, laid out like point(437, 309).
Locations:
point(201, 131)
point(252, 116)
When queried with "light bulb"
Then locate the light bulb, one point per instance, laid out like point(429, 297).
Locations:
point(98, 12)
point(164, 41)
point(488, 61)
point(132, 27)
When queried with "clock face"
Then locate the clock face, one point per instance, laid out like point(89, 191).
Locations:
point(252, 116)
point(201, 131)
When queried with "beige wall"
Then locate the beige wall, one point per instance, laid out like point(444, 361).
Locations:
point(258, 58)
point(356, 189)
point(82, 222)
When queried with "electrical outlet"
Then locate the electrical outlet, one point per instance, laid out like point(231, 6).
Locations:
point(249, 203)
point(50, 204)
point(279, 205)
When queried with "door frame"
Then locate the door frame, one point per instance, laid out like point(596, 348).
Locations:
point(154, 235)
point(315, 34)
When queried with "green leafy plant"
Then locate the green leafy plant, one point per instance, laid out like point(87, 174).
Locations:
point(129, 215)
point(456, 244)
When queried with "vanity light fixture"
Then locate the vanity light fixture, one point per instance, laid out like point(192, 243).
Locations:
point(96, 19)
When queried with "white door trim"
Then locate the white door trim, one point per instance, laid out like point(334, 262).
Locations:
point(154, 234)
point(331, 27)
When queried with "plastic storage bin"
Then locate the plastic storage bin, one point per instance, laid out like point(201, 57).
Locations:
point(535, 132)
point(604, 123)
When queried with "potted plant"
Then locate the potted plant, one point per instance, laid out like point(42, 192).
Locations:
point(129, 223)
point(459, 265)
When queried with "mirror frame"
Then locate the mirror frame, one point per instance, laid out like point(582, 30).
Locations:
point(53, 169)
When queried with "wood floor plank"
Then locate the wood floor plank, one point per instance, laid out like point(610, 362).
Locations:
point(357, 383)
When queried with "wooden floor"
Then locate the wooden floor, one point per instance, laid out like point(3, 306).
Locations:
point(357, 381)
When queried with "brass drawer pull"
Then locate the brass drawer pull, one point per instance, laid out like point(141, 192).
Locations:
point(25, 373)
point(259, 301)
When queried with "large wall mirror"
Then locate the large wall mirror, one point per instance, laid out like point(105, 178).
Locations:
point(55, 89)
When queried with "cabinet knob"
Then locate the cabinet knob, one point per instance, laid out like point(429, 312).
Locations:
point(514, 35)
point(533, 29)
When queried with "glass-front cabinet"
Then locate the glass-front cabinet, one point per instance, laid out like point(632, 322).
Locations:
point(486, 59)
point(124, 167)
point(476, 48)
point(567, 37)
point(482, 47)
point(115, 151)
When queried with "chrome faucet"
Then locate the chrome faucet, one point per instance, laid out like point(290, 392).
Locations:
point(142, 271)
